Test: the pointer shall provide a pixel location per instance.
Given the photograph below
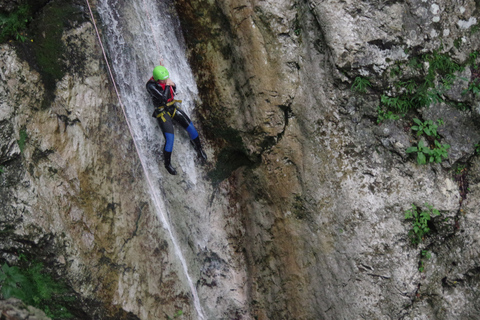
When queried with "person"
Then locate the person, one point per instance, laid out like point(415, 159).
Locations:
point(162, 90)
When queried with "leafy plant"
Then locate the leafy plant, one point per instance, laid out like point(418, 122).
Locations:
point(428, 127)
point(360, 85)
point(2, 169)
point(420, 221)
point(14, 24)
point(477, 148)
point(425, 154)
point(473, 87)
point(21, 141)
point(439, 152)
point(35, 288)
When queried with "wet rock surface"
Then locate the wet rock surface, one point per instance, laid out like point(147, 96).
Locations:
point(301, 212)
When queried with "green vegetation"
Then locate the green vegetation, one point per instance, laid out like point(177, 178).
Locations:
point(426, 155)
point(360, 85)
point(21, 141)
point(428, 127)
point(176, 315)
point(31, 285)
point(474, 29)
point(420, 221)
point(473, 87)
point(13, 26)
point(2, 169)
point(386, 115)
point(425, 255)
point(421, 91)
point(477, 148)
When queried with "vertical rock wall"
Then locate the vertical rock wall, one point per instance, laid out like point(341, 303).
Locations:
point(323, 199)
point(73, 193)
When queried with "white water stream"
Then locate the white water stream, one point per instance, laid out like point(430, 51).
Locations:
point(140, 34)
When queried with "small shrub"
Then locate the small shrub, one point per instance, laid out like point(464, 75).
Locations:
point(420, 222)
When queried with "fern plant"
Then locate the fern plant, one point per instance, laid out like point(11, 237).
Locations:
point(360, 85)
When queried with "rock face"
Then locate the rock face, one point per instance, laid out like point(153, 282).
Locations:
point(323, 206)
point(73, 194)
point(300, 213)
point(14, 309)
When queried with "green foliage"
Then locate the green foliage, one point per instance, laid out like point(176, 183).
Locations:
point(14, 24)
point(474, 29)
point(441, 63)
point(472, 58)
point(360, 85)
point(21, 141)
point(473, 87)
point(427, 155)
point(477, 148)
point(425, 256)
point(2, 169)
point(439, 152)
point(422, 91)
point(457, 43)
point(420, 222)
point(386, 115)
point(399, 104)
point(35, 288)
point(428, 127)
point(176, 315)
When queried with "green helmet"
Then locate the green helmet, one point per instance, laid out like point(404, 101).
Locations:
point(160, 73)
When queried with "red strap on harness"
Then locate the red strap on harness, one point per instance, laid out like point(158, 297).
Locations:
point(172, 93)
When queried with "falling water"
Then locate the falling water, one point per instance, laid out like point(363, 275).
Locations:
point(139, 35)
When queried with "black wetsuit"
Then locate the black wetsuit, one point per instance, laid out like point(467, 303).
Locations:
point(166, 110)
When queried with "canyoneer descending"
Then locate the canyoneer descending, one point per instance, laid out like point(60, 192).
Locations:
point(162, 90)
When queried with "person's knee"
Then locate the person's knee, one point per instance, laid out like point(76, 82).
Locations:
point(192, 132)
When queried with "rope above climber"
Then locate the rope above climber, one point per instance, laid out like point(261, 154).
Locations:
point(162, 90)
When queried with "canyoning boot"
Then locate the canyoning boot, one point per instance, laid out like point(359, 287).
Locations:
point(167, 157)
point(198, 147)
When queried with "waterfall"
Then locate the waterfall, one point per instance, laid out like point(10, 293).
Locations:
point(138, 35)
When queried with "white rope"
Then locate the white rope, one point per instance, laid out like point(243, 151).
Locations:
point(152, 189)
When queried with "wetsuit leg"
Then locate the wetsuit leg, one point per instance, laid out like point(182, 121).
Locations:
point(166, 124)
point(181, 117)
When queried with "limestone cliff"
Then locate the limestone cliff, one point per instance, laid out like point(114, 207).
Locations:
point(323, 203)
point(306, 109)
